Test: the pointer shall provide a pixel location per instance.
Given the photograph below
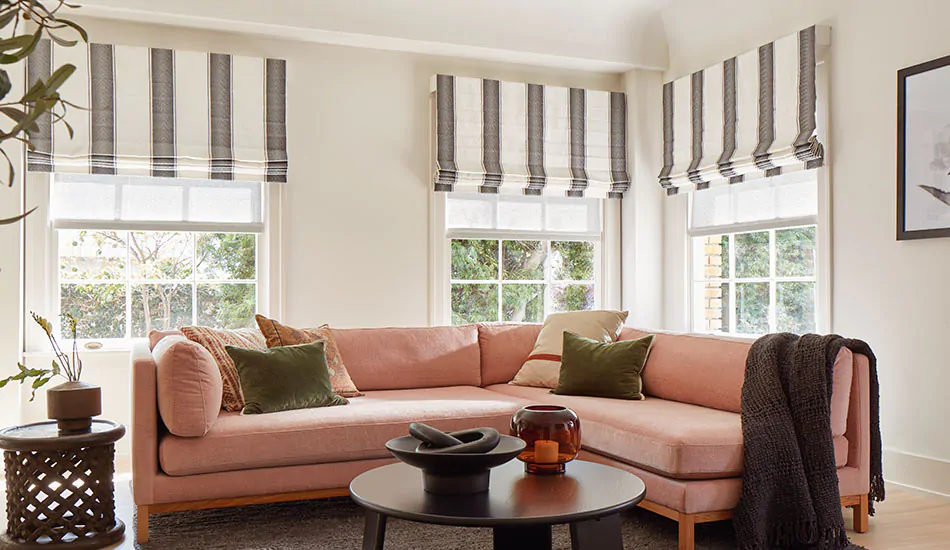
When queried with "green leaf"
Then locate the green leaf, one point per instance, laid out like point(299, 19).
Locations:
point(16, 43)
point(7, 18)
point(40, 382)
point(69, 128)
point(10, 181)
point(82, 32)
point(10, 58)
point(30, 373)
point(5, 84)
point(62, 41)
point(39, 107)
point(14, 113)
point(56, 368)
point(8, 221)
point(59, 77)
point(35, 92)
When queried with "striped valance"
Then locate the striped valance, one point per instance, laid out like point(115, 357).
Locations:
point(494, 136)
point(749, 116)
point(164, 113)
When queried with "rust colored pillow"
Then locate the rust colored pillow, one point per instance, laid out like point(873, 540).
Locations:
point(214, 340)
point(278, 335)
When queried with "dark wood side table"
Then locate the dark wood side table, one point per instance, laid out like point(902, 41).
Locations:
point(60, 491)
point(520, 507)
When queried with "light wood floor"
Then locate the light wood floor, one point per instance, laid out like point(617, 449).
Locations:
point(904, 520)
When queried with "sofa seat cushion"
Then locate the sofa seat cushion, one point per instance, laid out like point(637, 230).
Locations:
point(333, 434)
point(673, 439)
point(408, 358)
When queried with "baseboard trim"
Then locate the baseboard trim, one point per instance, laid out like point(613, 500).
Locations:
point(893, 485)
point(917, 473)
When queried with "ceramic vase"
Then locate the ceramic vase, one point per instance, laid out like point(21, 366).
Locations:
point(72, 405)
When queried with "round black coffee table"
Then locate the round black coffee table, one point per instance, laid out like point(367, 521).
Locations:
point(520, 507)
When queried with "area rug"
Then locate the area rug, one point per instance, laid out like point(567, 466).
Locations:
point(337, 524)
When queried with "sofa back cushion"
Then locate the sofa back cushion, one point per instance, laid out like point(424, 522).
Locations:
point(189, 386)
point(504, 348)
point(405, 358)
point(709, 371)
point(693, 368)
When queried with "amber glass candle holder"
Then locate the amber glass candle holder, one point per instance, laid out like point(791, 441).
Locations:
point(552, 434)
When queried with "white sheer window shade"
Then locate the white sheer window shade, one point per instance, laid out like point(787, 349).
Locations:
point(545, 217)
point(132, 203)
point(781, 201)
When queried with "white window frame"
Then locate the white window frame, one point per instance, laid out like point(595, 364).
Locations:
point(822, 278)
point(42, 285)
point(606, 260)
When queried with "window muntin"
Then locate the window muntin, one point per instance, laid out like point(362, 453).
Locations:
point(756, 282)
point(121, 284)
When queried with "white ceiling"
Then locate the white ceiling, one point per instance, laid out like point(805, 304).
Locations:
point(601, 35)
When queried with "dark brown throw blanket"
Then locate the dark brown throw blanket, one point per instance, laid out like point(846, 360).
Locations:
point(790, 486)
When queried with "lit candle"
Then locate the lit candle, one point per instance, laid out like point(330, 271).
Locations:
point(545, 451)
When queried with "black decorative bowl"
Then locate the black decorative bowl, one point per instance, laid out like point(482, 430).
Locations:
point(458, 473)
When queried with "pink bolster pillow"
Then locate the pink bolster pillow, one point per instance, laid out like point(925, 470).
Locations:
point(189, 386)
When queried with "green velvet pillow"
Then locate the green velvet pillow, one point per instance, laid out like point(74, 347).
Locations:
point(599, 369)
point(284, 378)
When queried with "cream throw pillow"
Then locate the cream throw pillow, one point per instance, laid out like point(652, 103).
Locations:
point(542, 367)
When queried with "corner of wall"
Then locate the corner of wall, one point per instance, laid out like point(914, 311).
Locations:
point(642, 207)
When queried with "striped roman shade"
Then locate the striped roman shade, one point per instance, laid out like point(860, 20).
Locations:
point(752, 115)
point(494, 136)
point(164, 113)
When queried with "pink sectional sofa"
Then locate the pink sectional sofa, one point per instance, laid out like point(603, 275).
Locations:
point(684, 440)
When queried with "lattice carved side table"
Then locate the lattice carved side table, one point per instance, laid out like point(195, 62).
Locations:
point(60, 491)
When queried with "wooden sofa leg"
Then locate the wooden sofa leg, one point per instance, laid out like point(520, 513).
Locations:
point(687, 536)
point(141, 527)
point(860, 515)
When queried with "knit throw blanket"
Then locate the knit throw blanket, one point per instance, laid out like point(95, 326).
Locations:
point(790, 486)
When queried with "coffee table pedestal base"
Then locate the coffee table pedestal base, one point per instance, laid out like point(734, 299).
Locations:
point(525, 537)
point(595, 534)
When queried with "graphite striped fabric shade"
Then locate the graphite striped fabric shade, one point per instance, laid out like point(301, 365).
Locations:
point(164, 113)
point(494, 136)
point(751, 115)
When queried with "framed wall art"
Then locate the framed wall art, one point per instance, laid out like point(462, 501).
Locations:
point(923, 150)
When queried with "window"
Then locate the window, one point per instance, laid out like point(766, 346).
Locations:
point(759, 282)
point(132, 254)
point(514, 258)
point(755, 257)
point(122, 284)
point(520, 281)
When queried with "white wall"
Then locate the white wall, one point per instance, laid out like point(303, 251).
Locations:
point(889, 293)
point(642, 207)
point(355, 218)
point(10, 291)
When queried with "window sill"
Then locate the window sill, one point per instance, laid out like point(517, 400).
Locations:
point(83, 352)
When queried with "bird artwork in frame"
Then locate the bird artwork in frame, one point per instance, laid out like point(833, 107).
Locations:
point(923, 150)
